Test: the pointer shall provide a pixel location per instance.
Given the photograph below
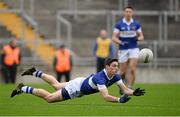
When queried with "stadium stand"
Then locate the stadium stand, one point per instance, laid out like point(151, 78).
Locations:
point(13, 23)
point(45, 13)
point(85, 27)
point(4, 32)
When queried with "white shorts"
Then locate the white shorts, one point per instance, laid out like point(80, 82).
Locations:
point(73, 87)
point(124, 55)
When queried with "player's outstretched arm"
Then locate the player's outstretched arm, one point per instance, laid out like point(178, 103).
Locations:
point(109, 98)
point(136, 92)
point(105, 94)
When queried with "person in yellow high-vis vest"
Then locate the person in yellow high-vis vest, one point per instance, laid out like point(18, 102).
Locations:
point(62, 63)
point(10, 60)
point(103, 49)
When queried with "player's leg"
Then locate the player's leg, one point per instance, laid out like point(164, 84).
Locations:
point(53, 82)
point(133, 60)
point(132, 76)
point(49, 97)
point(123, 60)
point(48, 78)
point(123, 70)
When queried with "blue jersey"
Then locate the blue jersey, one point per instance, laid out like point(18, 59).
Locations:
point(90, 84)
point(128, 33)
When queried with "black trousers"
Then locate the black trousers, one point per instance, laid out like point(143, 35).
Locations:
point(65, 74)
point(100, 64)
point(9, 73)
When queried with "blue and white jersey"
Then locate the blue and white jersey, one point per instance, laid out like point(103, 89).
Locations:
point(128, 33)
point(95, 82)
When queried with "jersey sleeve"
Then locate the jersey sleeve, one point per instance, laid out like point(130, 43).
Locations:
point(117, 28)
point(99, 82)
point(138, 28)
point(101, 86)
point(117, 78)
point(119, 82)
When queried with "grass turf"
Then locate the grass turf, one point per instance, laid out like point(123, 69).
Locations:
point(160, 99)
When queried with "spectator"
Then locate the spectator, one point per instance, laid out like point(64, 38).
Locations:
point(63, 63)
point(10, 59)
point(103, 49)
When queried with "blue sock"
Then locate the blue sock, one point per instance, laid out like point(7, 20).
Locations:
point(38, 73)
point(27, 89)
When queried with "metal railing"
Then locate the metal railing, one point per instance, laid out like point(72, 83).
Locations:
point(62, 20)
point(34, 24)
point(111, 19)
point(158, 61)
point(73, 5)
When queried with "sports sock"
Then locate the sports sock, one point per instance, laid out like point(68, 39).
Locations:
point(38, 73)
point(130, 87)
point(124, 81)
point(27, 89)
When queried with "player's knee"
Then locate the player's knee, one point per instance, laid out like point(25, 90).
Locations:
point(133, 70)
point(49, 98)
point(49, 101)
point(55, 82)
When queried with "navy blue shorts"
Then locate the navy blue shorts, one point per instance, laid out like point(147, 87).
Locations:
point(65, 94)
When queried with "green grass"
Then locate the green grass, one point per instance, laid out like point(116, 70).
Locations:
point(160, 99)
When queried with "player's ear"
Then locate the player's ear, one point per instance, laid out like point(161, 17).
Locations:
point(107, 66)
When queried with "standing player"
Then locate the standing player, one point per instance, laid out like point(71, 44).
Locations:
point(80, 86)
point(126, 34)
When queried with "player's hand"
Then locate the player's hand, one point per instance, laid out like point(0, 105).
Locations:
point(139, 92)
point(124, 99)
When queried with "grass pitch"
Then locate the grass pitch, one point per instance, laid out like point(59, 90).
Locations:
point(160, 99)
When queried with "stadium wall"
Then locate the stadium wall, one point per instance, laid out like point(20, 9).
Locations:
point(144, 75)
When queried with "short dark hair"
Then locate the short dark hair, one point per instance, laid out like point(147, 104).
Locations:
point(128, 7)
point(108, 61)
point(62, 46)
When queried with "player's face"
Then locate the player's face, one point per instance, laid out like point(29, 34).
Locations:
point(128, 13)
point(113, 68)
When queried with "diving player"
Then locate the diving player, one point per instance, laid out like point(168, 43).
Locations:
point(80, 86)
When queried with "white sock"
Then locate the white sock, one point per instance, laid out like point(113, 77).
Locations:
point(27, 89)
point(130, 87)
point(38, 73)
